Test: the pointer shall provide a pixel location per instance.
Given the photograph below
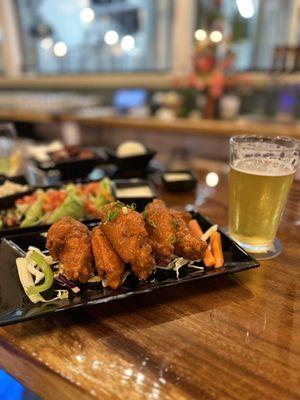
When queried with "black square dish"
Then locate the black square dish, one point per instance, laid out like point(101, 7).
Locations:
point(121, 186)
point(131, 166)
point(21, 179)
point(179, 181)
point(74, 168)
point(16, 307)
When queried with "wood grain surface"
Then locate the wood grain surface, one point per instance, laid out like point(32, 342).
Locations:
point(234, 337)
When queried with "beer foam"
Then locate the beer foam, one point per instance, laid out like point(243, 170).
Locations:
point(265, 167)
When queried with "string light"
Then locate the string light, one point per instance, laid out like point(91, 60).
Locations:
point(200, 35)
point(60, 49)
point(87, 15)
point(216, 36)
point(46, 43)
point(127, 43)
point(111, 37)
point(245, 8)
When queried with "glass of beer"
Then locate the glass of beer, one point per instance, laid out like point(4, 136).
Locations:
point(10, 155)
point(261, 174)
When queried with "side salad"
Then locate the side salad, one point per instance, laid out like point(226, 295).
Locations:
point(79, 201)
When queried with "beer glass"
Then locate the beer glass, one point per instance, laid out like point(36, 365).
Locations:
point(10, 155)
point(261, 173)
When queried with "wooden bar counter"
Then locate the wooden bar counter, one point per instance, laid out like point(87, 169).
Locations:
point(194, 127)
point(234, 337)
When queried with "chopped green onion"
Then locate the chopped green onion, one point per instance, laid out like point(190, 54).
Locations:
point(151, 223)
point(145, 214)
point(46, 269)
point(108, 215)
point(111, 215)
point(114, 215)
point(173, 240)
point(119, 203)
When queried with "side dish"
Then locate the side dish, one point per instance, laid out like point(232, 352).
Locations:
point(8, 188)
point(79, 201)
point(126, 242)
point(71, 152)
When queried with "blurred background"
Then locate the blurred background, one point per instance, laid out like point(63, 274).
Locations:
point(194, 71)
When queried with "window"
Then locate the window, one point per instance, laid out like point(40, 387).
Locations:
point(252, 29)
point(79, 36)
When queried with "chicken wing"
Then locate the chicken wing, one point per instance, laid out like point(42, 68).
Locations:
point(186, 245)
point(127, 233)
point(69, 242)
point(108, 262)
point(160, 228)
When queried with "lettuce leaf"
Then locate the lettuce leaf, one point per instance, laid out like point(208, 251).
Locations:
point(72, 206)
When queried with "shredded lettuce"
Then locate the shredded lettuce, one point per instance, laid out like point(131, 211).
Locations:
point(101, 199)
point(28, 266)
point(72, 206)
point(33, 214)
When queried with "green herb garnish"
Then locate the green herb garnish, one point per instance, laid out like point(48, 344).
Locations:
point(151, 223)
point(132, 206)
point(119, 203)
point(145, 214)
point(114, 215)
point(173, 240)
point(111, 215)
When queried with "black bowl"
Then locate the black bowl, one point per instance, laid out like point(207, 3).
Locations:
point(180, 185)
point(140, 201)
point(74, 167)
point(131, 166)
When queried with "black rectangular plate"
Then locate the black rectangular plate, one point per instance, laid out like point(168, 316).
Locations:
point(16, 307)
point(74, 167)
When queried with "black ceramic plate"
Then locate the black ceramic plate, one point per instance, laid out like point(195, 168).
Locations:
point(21, 179)
point(180, 185)
point(131, 166)
point(74, 167)
point(16, 307)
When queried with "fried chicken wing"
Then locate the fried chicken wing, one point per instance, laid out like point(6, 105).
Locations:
point(69, 242)
point(108, 263)
point(186, 245)
point(160, 228)
point(127, 233)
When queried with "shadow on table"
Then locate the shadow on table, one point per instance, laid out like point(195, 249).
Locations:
point(145, 310)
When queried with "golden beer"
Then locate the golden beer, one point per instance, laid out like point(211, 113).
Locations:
point(258, 194)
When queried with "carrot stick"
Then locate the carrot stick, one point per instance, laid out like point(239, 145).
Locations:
point(196, 231)
point(195, 228)
point(216, 249)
